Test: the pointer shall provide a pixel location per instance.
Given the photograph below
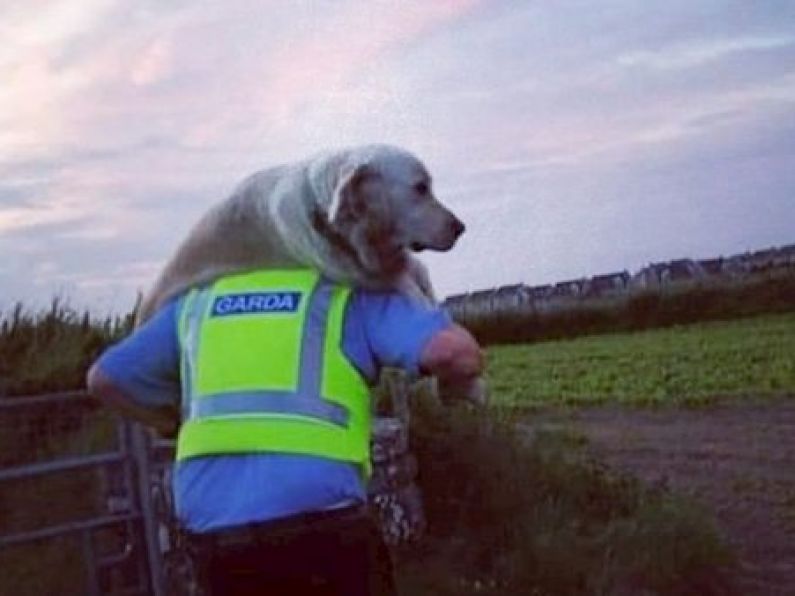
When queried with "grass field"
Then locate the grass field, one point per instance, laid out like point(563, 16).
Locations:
point(687, 364)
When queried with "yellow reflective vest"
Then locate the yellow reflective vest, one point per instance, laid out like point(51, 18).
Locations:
point(262, 370)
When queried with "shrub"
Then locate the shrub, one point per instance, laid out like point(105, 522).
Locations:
point(512, 514)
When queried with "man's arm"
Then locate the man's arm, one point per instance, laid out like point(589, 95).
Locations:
point(164, 419)
point(455, 358)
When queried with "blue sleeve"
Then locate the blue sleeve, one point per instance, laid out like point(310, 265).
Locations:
point(392, 329)
point(145, 365)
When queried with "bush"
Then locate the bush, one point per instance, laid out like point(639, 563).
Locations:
point(512, 514)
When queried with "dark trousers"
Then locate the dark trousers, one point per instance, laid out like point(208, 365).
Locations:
point(340, 553)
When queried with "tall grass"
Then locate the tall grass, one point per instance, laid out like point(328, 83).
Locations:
point(51, 349)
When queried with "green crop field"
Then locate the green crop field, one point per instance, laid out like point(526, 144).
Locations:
point(685, 364)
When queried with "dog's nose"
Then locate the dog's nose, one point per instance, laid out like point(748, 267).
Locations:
point(457, 227)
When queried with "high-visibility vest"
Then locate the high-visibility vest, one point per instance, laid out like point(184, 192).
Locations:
point(263, 371)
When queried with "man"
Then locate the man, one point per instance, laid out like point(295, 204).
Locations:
point(270, 371)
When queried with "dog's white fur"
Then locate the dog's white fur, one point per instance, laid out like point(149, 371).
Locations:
point(354, 215)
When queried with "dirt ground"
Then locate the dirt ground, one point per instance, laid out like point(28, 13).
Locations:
point(738, 459)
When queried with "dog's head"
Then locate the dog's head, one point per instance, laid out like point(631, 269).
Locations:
point(383, 205)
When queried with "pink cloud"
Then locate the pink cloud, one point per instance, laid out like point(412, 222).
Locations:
point(153, 64)
point(328, 57)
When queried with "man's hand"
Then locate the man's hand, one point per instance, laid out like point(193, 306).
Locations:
point(455, 358)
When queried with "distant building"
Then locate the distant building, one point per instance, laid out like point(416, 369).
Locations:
point(540, 293)
point(566, 294)
point(681, 270)
point(480, 303)
point(648, 278)
point(609, 284)
point(737, 265)
point(712, 266)
point(510, 298)
point(786, 255)
point(573, 288)
point(456, 305)
point(763, 260)
point(539, 298)
point(656, 275)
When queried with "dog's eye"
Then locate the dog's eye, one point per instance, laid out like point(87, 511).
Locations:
point(421, 188)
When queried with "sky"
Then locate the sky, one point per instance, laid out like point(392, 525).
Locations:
point(573, 138)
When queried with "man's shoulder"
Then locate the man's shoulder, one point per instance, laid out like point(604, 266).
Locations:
point(396, 326)
point(385, 302)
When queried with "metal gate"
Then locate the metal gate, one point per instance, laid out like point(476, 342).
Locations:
point(85, 498)
point(75, 515)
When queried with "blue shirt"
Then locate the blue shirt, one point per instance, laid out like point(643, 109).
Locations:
point(380, 329)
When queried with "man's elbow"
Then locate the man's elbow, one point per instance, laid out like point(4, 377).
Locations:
point(101, 386)
point(95, 381)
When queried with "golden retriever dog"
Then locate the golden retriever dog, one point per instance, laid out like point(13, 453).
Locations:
point(355, 215)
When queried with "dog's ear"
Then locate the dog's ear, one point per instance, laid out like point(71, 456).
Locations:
point(348, 201)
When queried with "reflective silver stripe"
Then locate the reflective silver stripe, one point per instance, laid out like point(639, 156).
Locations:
point(313, 341)
point(268, 402)
point(305, 401)
point(193, 321)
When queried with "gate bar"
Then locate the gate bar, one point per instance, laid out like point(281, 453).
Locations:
point(67, 528)
point(85, 461)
